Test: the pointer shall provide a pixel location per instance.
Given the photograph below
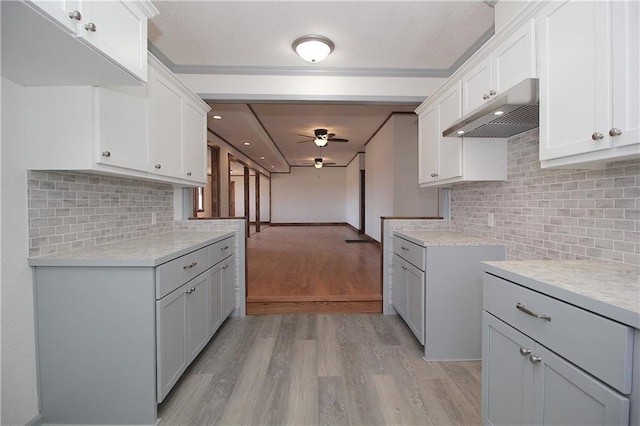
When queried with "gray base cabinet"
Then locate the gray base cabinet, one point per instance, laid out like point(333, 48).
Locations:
point(548, 362)
point(437, 290)
point(113, 340)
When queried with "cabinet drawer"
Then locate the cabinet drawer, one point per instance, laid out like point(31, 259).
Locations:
point(409, 251)
point(221, 250)
point(175, 273)
point(598, 345)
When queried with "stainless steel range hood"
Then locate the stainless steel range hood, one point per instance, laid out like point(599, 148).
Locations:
point(512, 112)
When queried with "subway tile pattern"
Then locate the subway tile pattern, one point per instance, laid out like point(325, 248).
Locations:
point(559, 214)
point(71, 210)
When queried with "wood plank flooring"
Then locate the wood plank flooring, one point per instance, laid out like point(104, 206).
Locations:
point(312, 269)
point(320, 369)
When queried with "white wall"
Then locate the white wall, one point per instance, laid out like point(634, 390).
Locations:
point(353, 191)
point(19, 383)
point(309, 195)
point(408, 198)
point(265, 200)
point(378, 179)
point(225, 150)
point(239, 195)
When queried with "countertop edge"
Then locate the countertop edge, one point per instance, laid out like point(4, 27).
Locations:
point(126, 262)
point(422, 243)
point(604, 309)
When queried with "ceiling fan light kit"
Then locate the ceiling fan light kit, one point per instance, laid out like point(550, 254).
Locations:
point(313, 48)
point(318, 163)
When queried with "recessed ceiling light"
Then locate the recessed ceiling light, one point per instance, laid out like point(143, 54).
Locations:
point(498, 112)
point(216, 117)
point(460, 132)
point(273, 167)
point(263, 158)
point(247, 143)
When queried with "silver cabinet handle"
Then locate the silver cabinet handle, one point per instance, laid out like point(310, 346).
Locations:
point(189, 291)
point(492, 92)
point(522, 308)
point(158, 166)
point(404, 268)
point(404, 248)
point(434, 175)
point(534, 359)
point(91, 27)
point(106, 154)
point(485, 96)
point(190, 266)
point(596, 136)
point(75, 15)
point(188, 173)
point(615, 132)
point(225, 266)
point(224, 248)
point(525, 351)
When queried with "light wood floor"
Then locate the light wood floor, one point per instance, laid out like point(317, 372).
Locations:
point(321, 369)
point(312, 269)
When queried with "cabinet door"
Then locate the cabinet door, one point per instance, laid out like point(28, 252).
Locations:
point(507, 374)
point(194, 143)
point(215, 299)
point(399, 286)
point(575, 77)
point(122, 124)
point(59, 11)
point(626, 72)
point(476, 85)
point(228, 287)
point(118, 29)
point(165, 122)
point(414, 279)
point(171, 326)
point(449, 149)
point(428, 139)
point(565, 395)
point(197, 318)
point(514, 59)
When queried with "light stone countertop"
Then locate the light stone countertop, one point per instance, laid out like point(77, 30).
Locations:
point(149, 251)
point(609, 289)
point(445, 238)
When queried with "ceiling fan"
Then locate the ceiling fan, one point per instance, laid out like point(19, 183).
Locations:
point(318, 163)
point(321, 137)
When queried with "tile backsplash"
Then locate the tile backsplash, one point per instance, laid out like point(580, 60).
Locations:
point(72, 210)
point(554, 213)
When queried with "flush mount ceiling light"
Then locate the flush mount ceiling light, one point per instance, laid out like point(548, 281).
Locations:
point(313, 48)
point(216, 117)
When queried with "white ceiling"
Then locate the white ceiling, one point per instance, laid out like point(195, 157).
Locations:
point(403, 38)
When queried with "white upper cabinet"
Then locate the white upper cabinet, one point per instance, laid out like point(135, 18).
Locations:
point(63, 12)
point(118, 29)
point(446, 160)
point(509, 63)
point(80, 42)
point(178, 123)
point(589, 85)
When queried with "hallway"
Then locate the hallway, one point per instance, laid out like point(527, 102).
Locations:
point(312, 269)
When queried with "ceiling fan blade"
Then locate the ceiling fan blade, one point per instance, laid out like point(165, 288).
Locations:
point(330, 135)
point(305, 141)
point(307, 136)
point(338, 140)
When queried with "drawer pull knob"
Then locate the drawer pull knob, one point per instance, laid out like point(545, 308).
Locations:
point(189, 291)
point(404, 248)
point(190, 266)
point(521, 308)
point(525, 351)
point(534, 359)
point(404, 267)
point(225, 266)
point(224, 248)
